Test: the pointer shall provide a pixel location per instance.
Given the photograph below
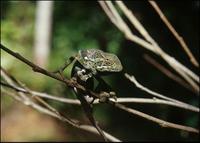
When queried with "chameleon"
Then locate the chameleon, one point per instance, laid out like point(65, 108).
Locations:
point(88, 65)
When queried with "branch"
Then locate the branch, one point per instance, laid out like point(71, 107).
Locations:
point(120, 106)
point(170, 60)
point(27, 100)
point(119, 100)
point(176, 35)
point(132, 79)
point(53, 114)
point(72, 83)
point(162, 123)
point(168, 73)
point(151, 45)
point(122, 26)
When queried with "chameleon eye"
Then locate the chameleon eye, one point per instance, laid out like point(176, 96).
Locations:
point(86, 58)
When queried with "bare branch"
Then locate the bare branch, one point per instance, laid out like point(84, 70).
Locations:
point(133, 111)
point(176, 35)
point(27, 100)
point(107, 11)
point(156, 120)
point(168, 73)
point(53, 114)
point(170, 60)
point(136, 23)
point(119, 100)
point(72, 83)
point(122, 26)
point(186, 73)
point(132, 79)
point(149, 43)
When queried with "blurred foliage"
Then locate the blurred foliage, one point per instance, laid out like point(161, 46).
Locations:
point(82, 25)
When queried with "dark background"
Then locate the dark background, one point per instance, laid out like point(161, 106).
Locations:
point(81, 25)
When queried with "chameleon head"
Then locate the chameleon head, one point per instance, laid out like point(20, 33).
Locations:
point(111, 63)
point(95, 59)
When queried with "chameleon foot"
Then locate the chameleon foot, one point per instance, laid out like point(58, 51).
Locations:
point(104, 96)
point(81, 73)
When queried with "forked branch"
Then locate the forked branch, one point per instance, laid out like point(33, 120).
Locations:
point(72, 83)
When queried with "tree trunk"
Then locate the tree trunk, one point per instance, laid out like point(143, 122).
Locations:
point(43, 32)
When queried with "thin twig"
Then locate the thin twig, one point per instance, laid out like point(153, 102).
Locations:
point(119, 100)
point(168, 73)
point(135, 22)
point(132, 111)
point(53, 114)
point(122, 26)
point(177, 66)
point(133, 80)
point(110, 15)
point(70, 83)
point(156, 120)
point(48, 106)
point(179, 70)
point(27, 100)
point(111, 138)
point(188, 75)
point(174, 32)
point(14, 83)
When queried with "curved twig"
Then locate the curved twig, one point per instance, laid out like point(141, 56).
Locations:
point(72, 83)
point(119, 100)
point(133, 80)
point(28, 100)
point(150, 44)
point(154, 119)
point(176, 35)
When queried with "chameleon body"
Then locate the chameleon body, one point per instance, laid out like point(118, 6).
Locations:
point(90, 64)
